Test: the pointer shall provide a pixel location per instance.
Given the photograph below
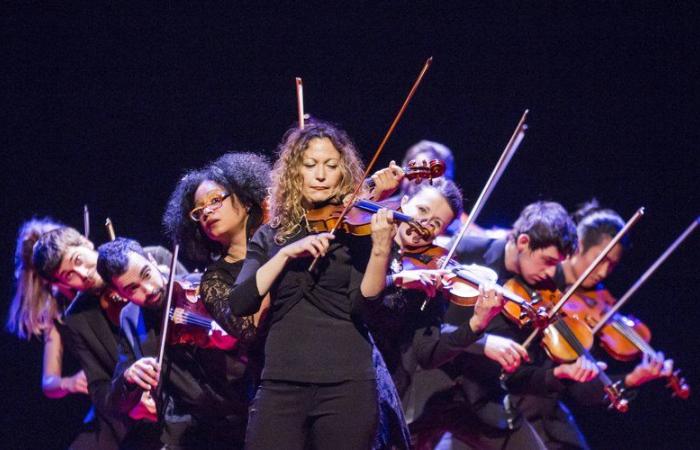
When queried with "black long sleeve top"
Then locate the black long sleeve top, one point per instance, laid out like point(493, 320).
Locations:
point(316, 334)
point(196, 382)
point(407, 335)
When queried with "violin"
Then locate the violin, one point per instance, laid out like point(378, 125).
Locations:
point(191, 323)
point(624, 338)
point(461, 283)
point(567, 338)
point(415, 172)
point(357, 221)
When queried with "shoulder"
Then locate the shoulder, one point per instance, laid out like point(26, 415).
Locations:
point(83, 303)
point(129, 316)
point(475, 245)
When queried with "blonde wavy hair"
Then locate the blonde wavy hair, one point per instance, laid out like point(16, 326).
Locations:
point(286, 207)
point(34, 307)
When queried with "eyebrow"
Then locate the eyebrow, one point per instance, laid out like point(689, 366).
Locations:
point(71, 260)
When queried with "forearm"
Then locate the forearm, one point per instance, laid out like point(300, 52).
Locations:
point(267, 274)
point(374, 278)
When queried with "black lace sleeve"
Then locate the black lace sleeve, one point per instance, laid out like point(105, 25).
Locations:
point(215, 291)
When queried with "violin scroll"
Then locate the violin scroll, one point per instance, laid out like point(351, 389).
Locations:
point(678, 385)
point(614, 393)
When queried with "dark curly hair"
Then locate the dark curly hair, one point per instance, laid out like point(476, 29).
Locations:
point(246, 175)
point(547, 223)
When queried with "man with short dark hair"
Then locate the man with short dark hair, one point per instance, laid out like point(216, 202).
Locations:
point(204, 390)
point(68, 260)
point(473, 410)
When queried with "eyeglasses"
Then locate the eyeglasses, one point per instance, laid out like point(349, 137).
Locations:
point(212, 204)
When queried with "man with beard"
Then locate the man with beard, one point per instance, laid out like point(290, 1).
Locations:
point(204, 390)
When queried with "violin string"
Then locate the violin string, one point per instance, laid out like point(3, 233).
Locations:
point(190, 318)
point(196, 320)
point(631, 334)
point(572, 340)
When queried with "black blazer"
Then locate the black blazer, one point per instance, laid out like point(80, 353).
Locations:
point(93, 340)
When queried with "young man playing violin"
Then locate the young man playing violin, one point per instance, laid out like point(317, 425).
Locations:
point(595, 228)
point(205, 388)
point(471, 408)
point(542, 238)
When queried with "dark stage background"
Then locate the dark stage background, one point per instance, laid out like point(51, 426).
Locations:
point(109, 105)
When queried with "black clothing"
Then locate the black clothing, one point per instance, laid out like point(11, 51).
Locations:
point(93, 339)
point(201, 387)
point(408, 336)
point(317, 343)
point(485, 252)
point(335, 415)
point(316, 333)
point(476, 394)
point(214, 291)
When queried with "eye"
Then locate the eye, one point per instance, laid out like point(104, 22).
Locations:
point(78, 260)
point(216, 201)
point(423, 209)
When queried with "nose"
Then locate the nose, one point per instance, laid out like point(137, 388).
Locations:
point(320, 172)
point(602, 270)
point(550, 271)
point(82, 272)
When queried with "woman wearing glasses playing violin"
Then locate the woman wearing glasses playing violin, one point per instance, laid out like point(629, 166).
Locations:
point(212, 214)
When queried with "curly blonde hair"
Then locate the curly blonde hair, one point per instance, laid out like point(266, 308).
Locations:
point(286, 207)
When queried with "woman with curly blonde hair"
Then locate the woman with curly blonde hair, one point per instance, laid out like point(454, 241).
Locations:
point(319, 381)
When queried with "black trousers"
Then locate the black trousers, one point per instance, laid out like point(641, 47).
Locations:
point(334, 416)
point(449, 411)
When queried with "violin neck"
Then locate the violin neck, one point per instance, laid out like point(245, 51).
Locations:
point(370, 206)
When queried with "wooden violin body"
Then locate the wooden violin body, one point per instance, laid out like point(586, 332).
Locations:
point(192, 324)
point(623, 337)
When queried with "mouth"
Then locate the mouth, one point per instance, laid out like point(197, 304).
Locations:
point(154, 299)
point(210, 223)
point(319, 188)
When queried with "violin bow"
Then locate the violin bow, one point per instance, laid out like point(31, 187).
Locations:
point(506, 156)
point(166, 313)
point(635, 287)
point(356, 192)
point(300, 102)
point(86, 222)
point(508, 152)
point(110, 229)
point(560, 304)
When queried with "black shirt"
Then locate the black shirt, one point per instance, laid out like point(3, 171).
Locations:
point(204, 383)
point(316, 331)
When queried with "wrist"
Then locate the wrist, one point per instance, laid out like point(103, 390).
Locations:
point(381, 251)
point(475, 323)
point(63, 384)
